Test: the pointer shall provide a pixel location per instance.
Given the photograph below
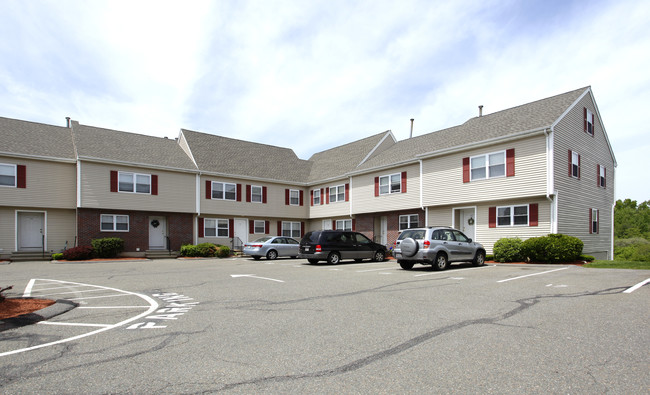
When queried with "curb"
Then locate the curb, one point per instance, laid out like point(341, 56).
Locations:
point(59, 307)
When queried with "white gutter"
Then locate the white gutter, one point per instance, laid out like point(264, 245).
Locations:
point(37, 157)
point(132, 164)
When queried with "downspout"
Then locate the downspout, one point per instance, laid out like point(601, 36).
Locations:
point(425, 209)
point(550, 179)
point(350, 196)
point(195, 232)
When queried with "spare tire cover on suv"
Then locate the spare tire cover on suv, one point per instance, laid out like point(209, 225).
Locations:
point(409, 247)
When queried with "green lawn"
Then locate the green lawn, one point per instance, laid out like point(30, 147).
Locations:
point(619, 265)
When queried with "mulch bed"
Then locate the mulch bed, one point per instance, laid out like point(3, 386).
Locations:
point(13, 307)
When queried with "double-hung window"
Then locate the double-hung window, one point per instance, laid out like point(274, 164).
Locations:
point(316, 195)
point(114, 223)
point(337, 193)
point(294, 197)
point(512, 215)
point(291, 229)
point(601, 176)
point(134, 182)
point(574, 164)
point(589, 121)
point(409, 221)
point(594, 219)
point(344, 224)
point(256, 194)
point(259, 227)
point(488, 166)
point(224, 191)
point(216, 227)
point(7, 175)
point(390, 184)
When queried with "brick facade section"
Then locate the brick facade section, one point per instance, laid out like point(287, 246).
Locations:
point(365, 223)
point(179, 228)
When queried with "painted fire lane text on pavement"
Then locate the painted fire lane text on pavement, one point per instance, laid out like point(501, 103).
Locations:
point(175, 305)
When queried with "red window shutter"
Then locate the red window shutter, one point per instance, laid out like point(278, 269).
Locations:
point(598, 221)
point(154, 184)
point(492, 214)
point(239, 192)
point(264, 196)
point(266, 227)
point(201, 228)
point(311, 195)
point(21, 177)
point(286, 197)
point(322, 192)
point(466, 169)
point(591, 226)
point(302, 196)
point(510, 162)
point(533, 214)
point(113, 181)
point(279, 228)
point(251, 226)
point(585, 117)
point(302, 229)
point(248, 193)
point(593, 125)
point(327, 195)
point(208, 189)
point(231, 228)
point(376, 186)
point(598, 175)
point(347, 192)
point(354, 224)
point(403, 182)
point(570, 163)
point(333, 224)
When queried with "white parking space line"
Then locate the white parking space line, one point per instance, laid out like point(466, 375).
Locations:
point(99, 297)
point(113, 307)
point(530, 275)
point(375, 270)
point(73, 324)
point(634, 288)
point(70, 292)
point(453, 271)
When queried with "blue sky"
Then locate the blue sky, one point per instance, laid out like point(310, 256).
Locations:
point(310, 75)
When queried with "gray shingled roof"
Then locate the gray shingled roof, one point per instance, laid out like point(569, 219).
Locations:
point(137, 149)
point(37, 139)
point(225, 155)
point(527, 117)
point(340, 160)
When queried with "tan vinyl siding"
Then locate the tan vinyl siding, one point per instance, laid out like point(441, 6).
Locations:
point(332, 209)
point(443, 176)
point(48, 184)
point(7, 229)
point(577, 196)
point(61, 228)
point(176, 190)
point(363, 194)
point(275, 201)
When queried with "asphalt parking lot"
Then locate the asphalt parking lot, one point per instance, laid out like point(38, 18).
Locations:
point(286, 326)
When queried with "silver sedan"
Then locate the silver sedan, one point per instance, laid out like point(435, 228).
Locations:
point(272, 247)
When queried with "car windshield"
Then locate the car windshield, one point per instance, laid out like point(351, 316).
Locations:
point(262, 239)
point(310, 237)
point(417, 234)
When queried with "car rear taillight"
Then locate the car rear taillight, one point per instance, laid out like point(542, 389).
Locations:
point(256, 245)
point(426, 243)
point(318, 248)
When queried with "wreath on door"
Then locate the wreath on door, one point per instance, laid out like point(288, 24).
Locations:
point(470, 221)
point(155, 223)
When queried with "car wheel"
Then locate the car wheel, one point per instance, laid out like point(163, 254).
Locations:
point(312, 261)
point(441, 262)
point(479, 259)
point(256, 257)
point(380, 256)
point(271, 255)
point(406, 265)
point(409, 247)
point(294, 257)
point(358, 260)
point(333, 258)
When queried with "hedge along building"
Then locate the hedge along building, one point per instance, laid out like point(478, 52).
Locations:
point(542, 167)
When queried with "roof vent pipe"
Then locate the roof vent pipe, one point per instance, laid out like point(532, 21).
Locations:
point(412, 119)
point(480, 110)
point(67, 122)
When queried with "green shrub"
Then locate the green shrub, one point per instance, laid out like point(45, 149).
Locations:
point(508, 250)
point(552, 248)
point(199, 250)
point(587, 258)
point(107, 247)
point(223, 252)
point(57, 256)
point(78, 253)
point(634, 249)
point(489, 257)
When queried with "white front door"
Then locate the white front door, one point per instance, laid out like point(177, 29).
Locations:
point(467, 222)
point(241, 229)
point(157, 233)
point(31, 230)
point(383, 232)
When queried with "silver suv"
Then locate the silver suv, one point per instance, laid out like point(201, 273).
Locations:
point(437, 246)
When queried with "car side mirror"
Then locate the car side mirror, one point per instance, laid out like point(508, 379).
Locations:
point(469, 240)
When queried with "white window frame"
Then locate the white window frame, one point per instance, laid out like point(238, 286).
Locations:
point(409, 223)
point(294, 197)
point(134, 182)
point(255, 197)
point(289, 229)
point(223, 185)
point(15, 174)
point(601, 177)
point(114, 222)
point(487, 166)
point(257, 225)
point(388, 185)
point(594, 221)
point(335, 193)
point(511, 215)
point(317, 197)
point(219, 226)
point(327, 224)
point(575, 164)
point(344, 224)
point(590, 124)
